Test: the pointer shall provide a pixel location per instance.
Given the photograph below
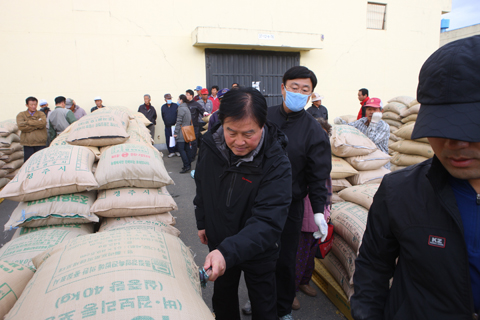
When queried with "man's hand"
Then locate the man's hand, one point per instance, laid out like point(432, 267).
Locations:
point(376, 117)
point(322, 227)
point(174, 135)
point(203, 237)
point(337, 120)
point(216, 261)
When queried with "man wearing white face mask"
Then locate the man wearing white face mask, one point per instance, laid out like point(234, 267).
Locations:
point(169, 116)
point(372, 125)
point(309, 153)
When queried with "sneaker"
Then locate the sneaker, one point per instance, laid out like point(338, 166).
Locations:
point(295, 304)
point(247, 309)
point(185, 170)
point(308, 290)
point(171, 155)
point(287, 317)
point(177, 154)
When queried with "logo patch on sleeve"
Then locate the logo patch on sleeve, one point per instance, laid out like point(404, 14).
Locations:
point(435, 241)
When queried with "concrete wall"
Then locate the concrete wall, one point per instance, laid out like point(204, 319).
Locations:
point(121, 49)
point(449, 36)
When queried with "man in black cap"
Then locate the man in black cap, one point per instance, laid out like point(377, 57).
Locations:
point(428, 215)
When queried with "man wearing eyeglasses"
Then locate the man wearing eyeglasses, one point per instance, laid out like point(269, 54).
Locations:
point(309, 153)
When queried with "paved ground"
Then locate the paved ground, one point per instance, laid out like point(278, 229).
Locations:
point(183, 192)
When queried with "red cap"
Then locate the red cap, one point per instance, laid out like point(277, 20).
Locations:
point(204, 91)
point(374, 103)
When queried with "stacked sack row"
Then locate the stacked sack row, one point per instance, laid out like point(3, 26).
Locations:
point(134, 264)
point(357, 170)
point(401, 113)
point(11, 152)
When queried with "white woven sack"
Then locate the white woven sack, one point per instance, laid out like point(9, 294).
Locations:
point(347, 141)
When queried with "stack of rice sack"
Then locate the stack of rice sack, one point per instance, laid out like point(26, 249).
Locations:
point(392, 114)
point(357, 157)
point(407, 152)
point(11, 152)
point(349, 219)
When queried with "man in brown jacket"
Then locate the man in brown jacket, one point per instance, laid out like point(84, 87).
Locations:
point(33, 124)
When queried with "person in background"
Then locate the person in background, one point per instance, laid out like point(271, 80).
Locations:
point(372, 125)
point(197, 113)
point(98, 104)
point(317, 110)
point(60, 118)
point(205, 102)
point(184, 118)
point(213, 97)
point(44, 107)
point(150, 113)
point(423, 227)
point(244, 187)
point(214, 118)
point(169, 117)
point(363, 97)
point(234, 85)
point(197, 93)
point(77, 111)
point(307, 245)
point(32, 124)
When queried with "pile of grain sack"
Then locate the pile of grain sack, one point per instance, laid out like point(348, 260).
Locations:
point(11, 152)
point(401, 113)
point(357, 170)
point(101, 173)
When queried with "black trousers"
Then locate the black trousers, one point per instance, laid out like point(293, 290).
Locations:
point(285, 271)
point(29, 151)
point(260, 280)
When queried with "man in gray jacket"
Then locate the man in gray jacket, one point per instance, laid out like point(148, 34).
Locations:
point(60, 118)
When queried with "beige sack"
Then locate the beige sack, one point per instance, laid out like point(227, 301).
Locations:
point(406, 100)
point(336, 198)
point(371, 161)
point(22, 249)
point(125, 202)
point(14, 165)
point(347, 141)
point(15, 156)
point(415, 109)
point(2, 163)
point(14, 147)
point(345, 255)
point(405, 132)
point(362, 194)
point(412, 117)
point(8, 140)
point(52, 171)
point(13, 279)
point(391, 116)
point(80, 228)
point(11, 175)
point(62, 209)
point(115, 275)
point(341, 169)
point(413, 103)
point(3, 182)
point(131, 165)
point(61, 140)
point(401, 159)
point(413, 147)
point(335, 267)
point(395, 107)
point(394, 137)
point(349, 118)
point(3, 173)
point(369, 176)
point(100, 128)
point(162, 222)
point(340, 184)
point(349, 220)
point(141, 117)
point(7, 127)
point(394, 123)
point(394, 167)
point(392, 129)
point(138, 133)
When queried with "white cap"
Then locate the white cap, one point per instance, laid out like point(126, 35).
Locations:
point(97, 98)
point(43, 102)
point(316, 97)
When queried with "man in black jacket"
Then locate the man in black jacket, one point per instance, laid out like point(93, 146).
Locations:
point(310, 156)
point(197, 112)
point(427, 215)
point(318, 110)
point(150, 113)
point(169, 116)
point(244, 189)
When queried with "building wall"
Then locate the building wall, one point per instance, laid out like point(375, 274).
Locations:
point(457, 34)
point(121, 49)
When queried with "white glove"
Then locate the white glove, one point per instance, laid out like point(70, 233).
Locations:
point(337, 120)
point(322, 227)
point(205, 114)
point(376, 117)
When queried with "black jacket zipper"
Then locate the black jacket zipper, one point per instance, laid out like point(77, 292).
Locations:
point(230, 190)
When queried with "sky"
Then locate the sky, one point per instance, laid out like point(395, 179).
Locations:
point(464, 13)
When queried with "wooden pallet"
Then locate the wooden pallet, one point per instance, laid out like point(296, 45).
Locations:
point(324, 280)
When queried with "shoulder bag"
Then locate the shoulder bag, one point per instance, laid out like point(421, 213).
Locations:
point(188, 133)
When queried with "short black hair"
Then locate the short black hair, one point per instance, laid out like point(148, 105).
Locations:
point(241, 103)
point(190, 91)
point(364, 91)
point(59, 99)
point(325, 125)
point(183, 98)
point(300, 72)
point(215, 87)
point(31, 99)
point(235, 83)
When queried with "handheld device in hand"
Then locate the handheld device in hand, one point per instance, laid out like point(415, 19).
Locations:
point(204, 275)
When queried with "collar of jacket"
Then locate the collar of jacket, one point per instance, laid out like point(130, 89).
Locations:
point(291, 115)
point(438, 177)
point(364, 101)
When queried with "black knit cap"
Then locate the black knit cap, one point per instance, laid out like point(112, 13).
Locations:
point(449, 92)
